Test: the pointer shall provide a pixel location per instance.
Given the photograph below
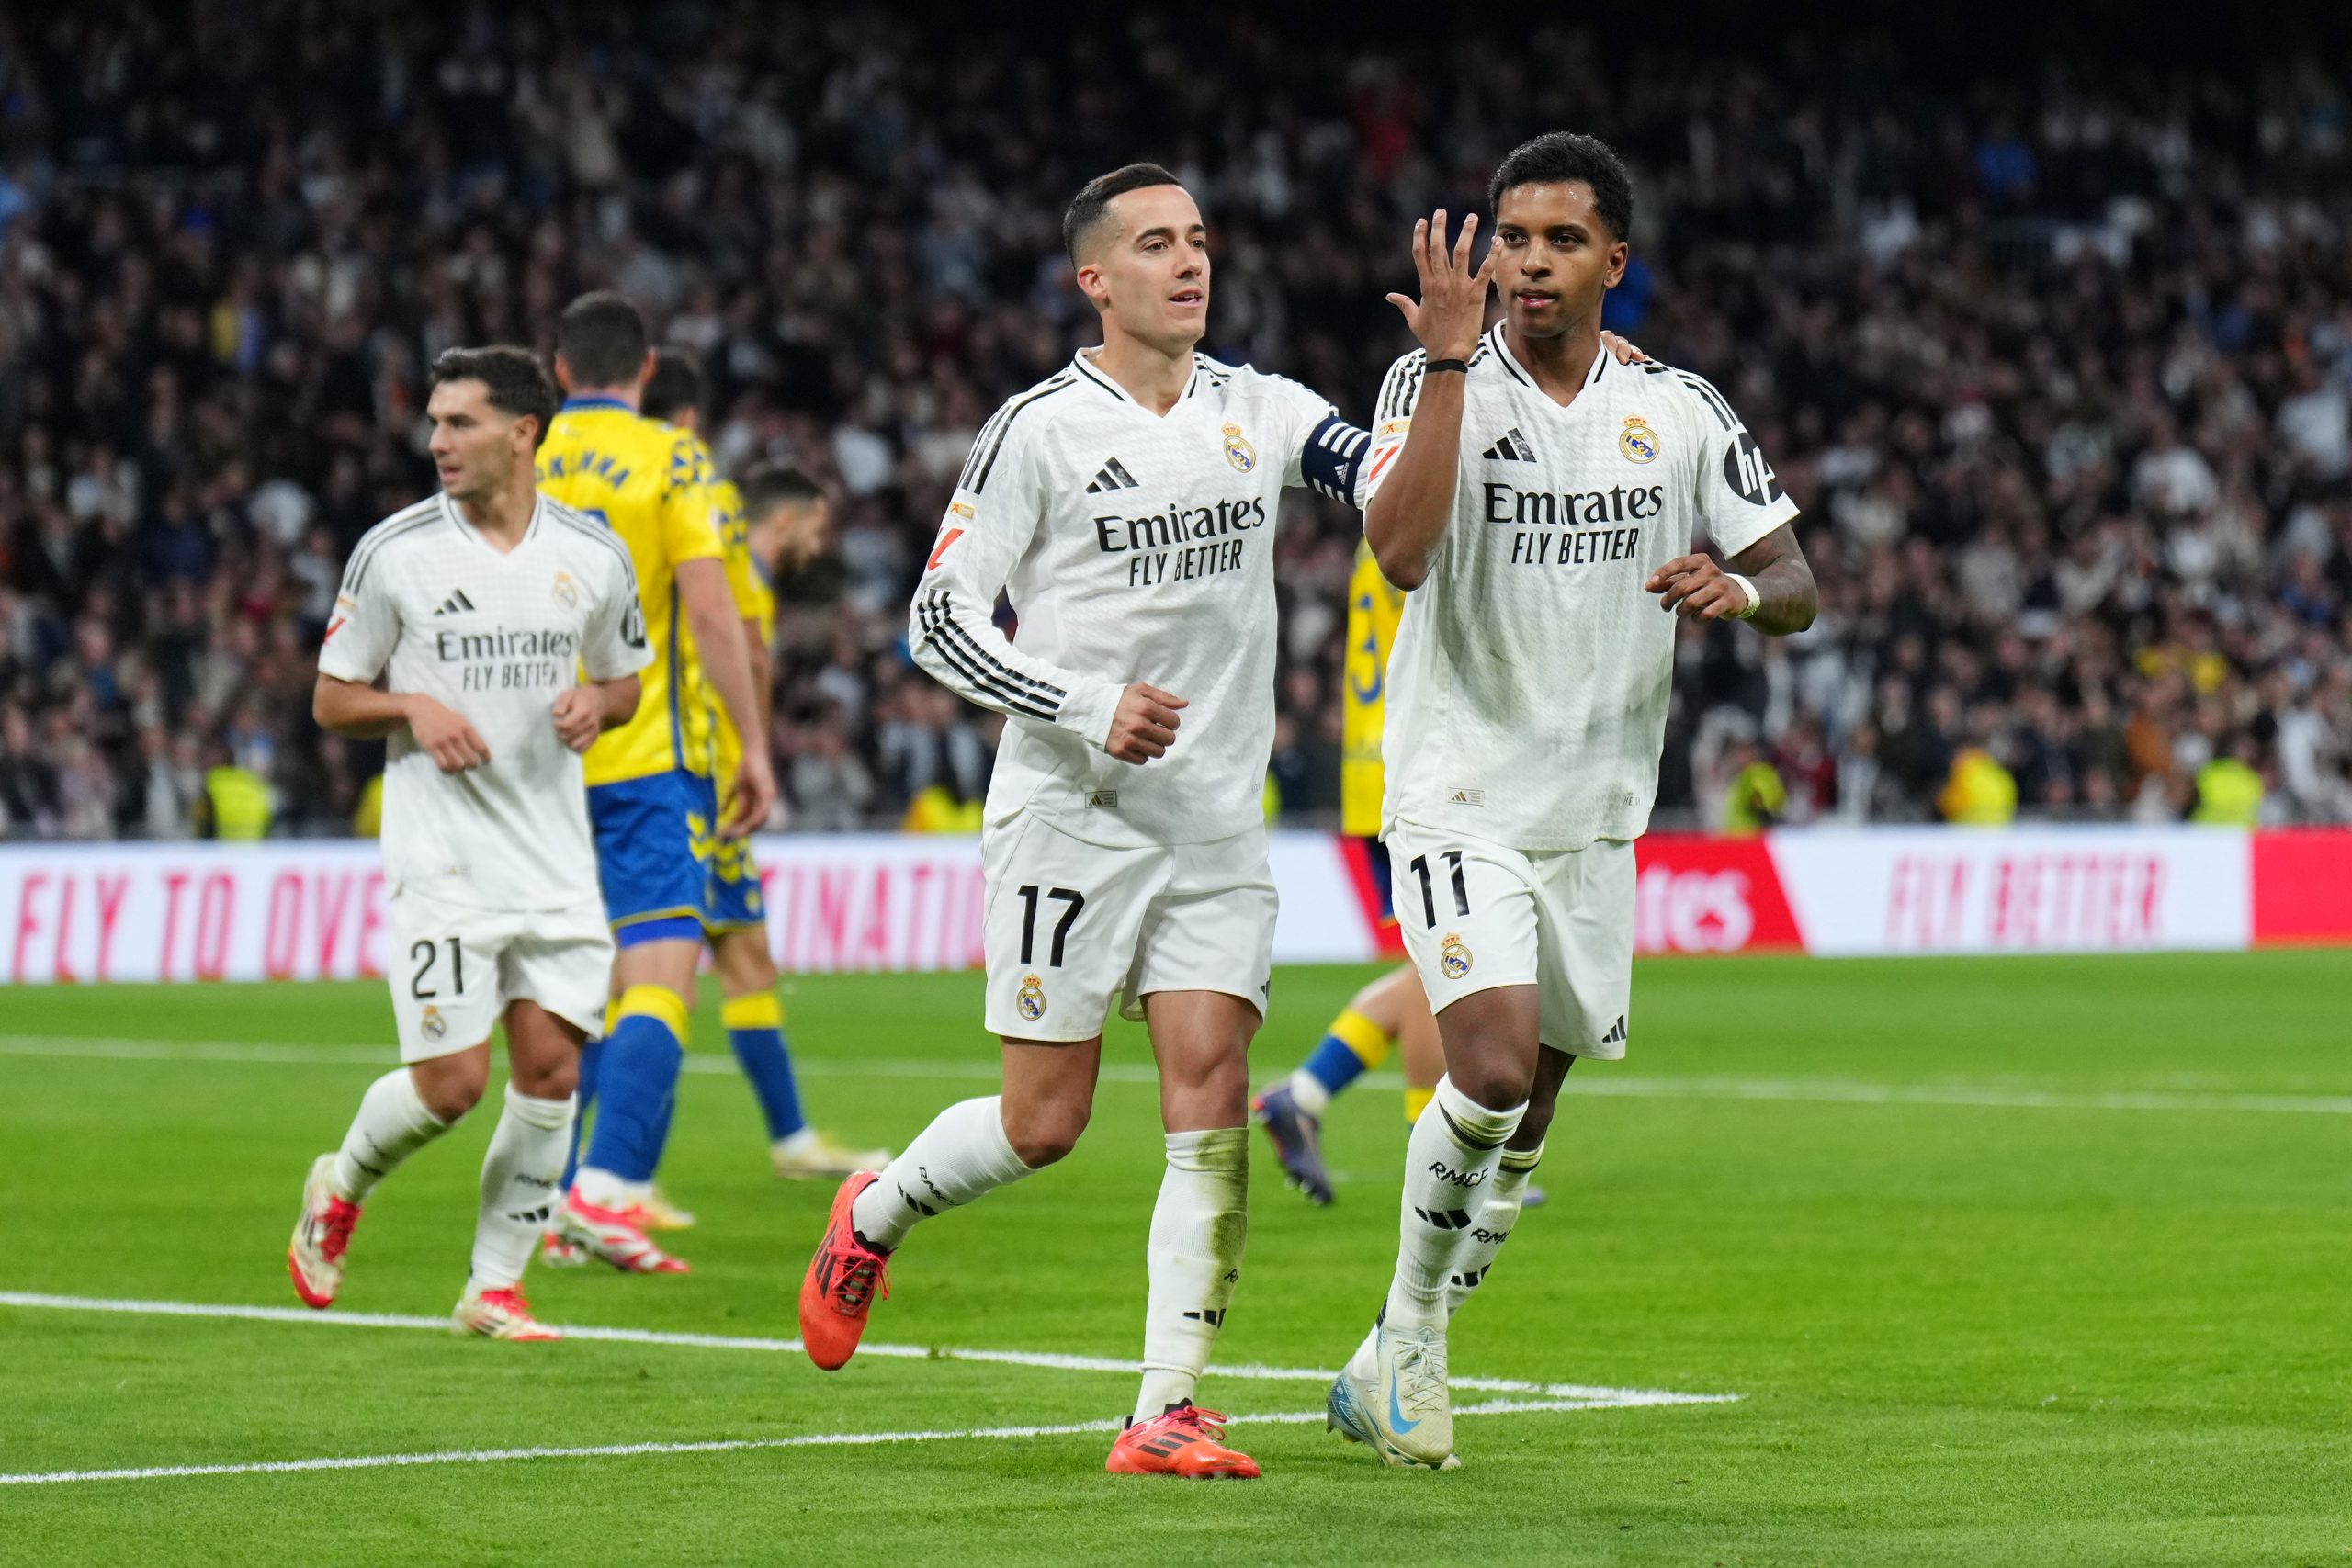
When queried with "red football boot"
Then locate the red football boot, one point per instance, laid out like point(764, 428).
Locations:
point(843, 1278)
point(1188, 1442)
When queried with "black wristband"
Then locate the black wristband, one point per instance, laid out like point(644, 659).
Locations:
point(1461, 364)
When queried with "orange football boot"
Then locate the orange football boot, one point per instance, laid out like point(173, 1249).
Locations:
point(843, 1278)
point(1188, 1442)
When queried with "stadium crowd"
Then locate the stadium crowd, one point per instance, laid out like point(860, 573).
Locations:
point(2060, 368)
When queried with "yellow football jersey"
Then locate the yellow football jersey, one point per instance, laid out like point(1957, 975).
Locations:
point(755, 601)
point(1375, 606)
point(651, 485)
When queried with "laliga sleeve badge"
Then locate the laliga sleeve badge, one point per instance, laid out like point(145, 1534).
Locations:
point(1454, 957)
point(1638, 440)
point(434, 1026)
point(1237, 450)
point(1030, 1001)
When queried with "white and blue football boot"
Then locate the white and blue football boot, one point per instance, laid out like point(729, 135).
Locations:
point(1392, 1397)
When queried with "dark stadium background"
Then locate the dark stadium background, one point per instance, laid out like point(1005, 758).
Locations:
point(2055, 355)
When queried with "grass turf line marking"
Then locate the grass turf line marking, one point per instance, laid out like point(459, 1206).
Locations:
point(716, 1446)
point(1820, 1091)
point(1582, 1396)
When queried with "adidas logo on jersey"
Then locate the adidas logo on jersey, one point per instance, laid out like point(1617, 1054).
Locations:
point(1115, 476)
point(456, 604)
point(1616, 1036)
point(1511, 448)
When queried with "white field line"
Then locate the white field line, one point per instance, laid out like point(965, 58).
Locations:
point(1578, 1395)
point(720, 1445)
point(1822, 1091)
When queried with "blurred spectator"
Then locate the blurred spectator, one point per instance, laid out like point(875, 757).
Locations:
point(2059, 366)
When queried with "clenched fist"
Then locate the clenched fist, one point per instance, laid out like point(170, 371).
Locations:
point(1144, 724)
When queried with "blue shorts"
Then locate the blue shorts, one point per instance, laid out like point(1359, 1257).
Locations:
point(732, 901)
point(653, 853)
point(1383, 887)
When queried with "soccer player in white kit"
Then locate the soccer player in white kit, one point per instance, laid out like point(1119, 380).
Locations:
point(1126, 506)
point(479, 609)
point(1539, 502)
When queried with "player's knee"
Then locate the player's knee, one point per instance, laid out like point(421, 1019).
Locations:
point(452, 1085)
point(555, 1080)
point(1045, 1133)
point(1495, 1083)
point(1535, 1124)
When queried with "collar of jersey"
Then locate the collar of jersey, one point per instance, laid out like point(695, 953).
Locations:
point(572, 404)
point(1602, 361)
point(1085, 368)
point(539, 510)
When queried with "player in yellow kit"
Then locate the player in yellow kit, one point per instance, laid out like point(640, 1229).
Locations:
point(649, 799)
point(780, 526)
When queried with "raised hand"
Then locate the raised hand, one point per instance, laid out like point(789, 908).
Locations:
point(1452, 311)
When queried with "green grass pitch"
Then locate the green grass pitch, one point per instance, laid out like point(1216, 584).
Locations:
point(2035, 1261)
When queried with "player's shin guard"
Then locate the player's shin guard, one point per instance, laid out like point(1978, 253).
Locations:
point(962, 1155)
point(519, 1190)
point(1197, 1229)
point(1449, 1160)
point(392, 1124)
point(639, 1074)
point(1490, 1225)
point(755, 1030)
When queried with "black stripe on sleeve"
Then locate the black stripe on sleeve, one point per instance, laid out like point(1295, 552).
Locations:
point(1045, 691)
point(933, 619)
point(980, 443)
point(1713, 398)
point(1012, 411)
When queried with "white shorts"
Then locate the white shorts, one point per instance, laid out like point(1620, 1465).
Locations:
point(1476, 916)
point(1071, 925)
point(454, 969)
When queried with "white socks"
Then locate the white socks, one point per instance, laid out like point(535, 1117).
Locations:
point(519, 1180)
point(1310, 1092)
point(1197, 1229)
point(392, 1124)
point(962, 1155)
point(1452, 1155)
point(1492, 1225)
point(601, 1189)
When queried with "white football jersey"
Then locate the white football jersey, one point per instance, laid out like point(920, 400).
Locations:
point(431, 606)
point(1528, 687)
point(1132, 547)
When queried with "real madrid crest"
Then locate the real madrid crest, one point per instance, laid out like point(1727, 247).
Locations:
point(434, 1026)
point(1031, 998)
point(566, 593)
point(1237, 450)
point(1638, 440)
point(1454, 957)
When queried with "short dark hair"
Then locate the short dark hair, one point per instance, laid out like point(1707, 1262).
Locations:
point(1093, 203)
point(772, 484)
point(601, 338)
point(676, 384)
point(1557, 156)
point(512, 377)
